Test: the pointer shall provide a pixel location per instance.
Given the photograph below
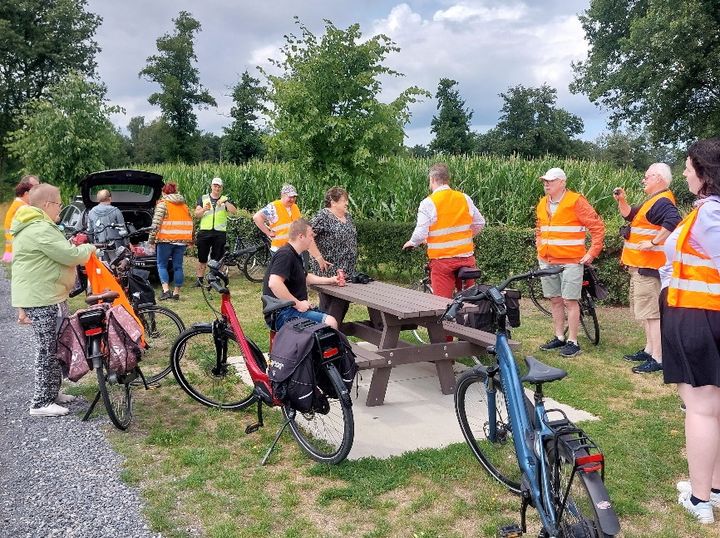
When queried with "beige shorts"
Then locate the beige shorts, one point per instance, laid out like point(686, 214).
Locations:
point(644, 295)
point(567, 284)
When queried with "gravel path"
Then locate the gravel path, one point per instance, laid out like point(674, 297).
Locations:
point(58, 476)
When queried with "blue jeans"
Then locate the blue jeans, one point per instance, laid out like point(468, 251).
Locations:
point(166, 252)
point(289, 312)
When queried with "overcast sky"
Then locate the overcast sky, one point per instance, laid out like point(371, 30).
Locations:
point(485, 45)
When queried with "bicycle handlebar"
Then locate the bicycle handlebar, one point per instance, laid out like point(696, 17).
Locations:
point(494, 293)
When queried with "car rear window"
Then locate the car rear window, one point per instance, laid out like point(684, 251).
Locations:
point(125, 193)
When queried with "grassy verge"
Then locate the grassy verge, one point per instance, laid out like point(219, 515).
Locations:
point(199, 475)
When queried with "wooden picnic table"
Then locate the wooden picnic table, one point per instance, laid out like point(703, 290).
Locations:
point(392, 309)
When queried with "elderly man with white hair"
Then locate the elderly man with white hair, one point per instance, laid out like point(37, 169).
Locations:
point(650, 224)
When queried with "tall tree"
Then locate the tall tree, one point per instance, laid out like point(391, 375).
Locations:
point(150, 142)
point(242, 140)
point(326, 112)
point(67, 133)
point(42, 41)
point(452, 123)
point(172, 68)
point(654, 63)
point(531, 125)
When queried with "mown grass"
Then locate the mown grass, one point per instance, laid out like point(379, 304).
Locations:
point(199, 472)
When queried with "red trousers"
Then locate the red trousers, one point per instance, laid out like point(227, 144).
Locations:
point(442, 275)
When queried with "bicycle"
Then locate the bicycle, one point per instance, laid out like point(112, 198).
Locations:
point(548, 461)
point(162, 326)
point(588, 314)
point(114, 388)
point(220, 367)
point(251, 260)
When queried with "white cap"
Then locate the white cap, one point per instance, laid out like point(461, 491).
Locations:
point(216, 181)
point(553, 174)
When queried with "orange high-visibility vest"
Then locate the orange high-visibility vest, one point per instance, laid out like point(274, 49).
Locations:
point(101, 280)
point(17, 204)
point(562, 235)
point(177, 224)
point(451, 234)
point(642, 229)
point(695, 281)
point(282, 224)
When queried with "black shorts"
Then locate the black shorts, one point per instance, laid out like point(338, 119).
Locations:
point(212, 243)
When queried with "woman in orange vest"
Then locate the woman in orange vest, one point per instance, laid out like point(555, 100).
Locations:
point(690, 326)
point(22, 197)
point(172, 232)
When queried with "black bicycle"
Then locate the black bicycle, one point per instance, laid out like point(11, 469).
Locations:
point(588, 314)
point(252, 260)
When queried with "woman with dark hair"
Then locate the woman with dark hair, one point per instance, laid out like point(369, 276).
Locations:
point(336, 240)
point(172, 233)
point(22, 197)
point(690, 326)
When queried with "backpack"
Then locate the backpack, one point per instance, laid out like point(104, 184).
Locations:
point(124, 340)
point(296, 372)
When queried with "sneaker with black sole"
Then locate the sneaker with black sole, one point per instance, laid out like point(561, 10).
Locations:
point(164, 296)
point(638, 356)
point(570, 349)
point(702, 511)
point(555, 343)
point(684, 487)
point(648, 367)
point(176, 296)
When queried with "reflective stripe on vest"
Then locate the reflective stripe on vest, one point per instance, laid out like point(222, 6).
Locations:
point(451, 234)
point(214, 218)
point(282, 224)
point(562, 235)
point(695, 281)
point(642, 229)
point(177, 224)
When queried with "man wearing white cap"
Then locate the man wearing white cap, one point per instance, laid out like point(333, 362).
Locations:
point(563, 220)
point(212, 210)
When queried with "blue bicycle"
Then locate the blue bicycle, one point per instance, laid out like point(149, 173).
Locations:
point(537, 453)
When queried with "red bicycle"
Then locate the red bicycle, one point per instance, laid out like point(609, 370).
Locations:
point(220, 367)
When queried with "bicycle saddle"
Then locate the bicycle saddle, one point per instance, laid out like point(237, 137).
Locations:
point(271, 304)
point(468, 273)
point(105, 297)
point(541, 373)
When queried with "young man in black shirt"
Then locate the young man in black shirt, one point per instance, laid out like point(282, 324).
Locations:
point(287, 279)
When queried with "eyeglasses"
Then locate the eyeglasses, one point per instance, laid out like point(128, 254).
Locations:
point(59, 204)
point(648, 177)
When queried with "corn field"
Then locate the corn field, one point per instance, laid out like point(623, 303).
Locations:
point(505, 190)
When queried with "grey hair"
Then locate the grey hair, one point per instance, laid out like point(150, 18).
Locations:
point(439, 172)
point(663, 170)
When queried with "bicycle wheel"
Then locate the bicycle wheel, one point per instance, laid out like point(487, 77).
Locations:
point(116, 395)
point(325, 435)
point(424, 286)
point(162, 327)
point(588, 318)
point(471, 407)
point(537, 297)
point(224, 382)
point(580, 517)
point(256, 264)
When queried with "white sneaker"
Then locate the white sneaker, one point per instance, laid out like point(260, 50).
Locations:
point(684, 487)
point(63, 398)
point(52, 410)
point(702, 511)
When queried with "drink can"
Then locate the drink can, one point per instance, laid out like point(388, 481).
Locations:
point(341, 277)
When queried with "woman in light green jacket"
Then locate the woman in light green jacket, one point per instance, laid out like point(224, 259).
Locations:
point(43, 273)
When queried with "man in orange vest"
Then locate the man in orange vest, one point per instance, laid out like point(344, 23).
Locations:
point(650, 224)
point(447, 221)
point(564, 218)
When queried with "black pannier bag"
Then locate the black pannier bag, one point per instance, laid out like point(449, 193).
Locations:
point(296, 371)
point(138, 284)
point(597, 289)
point(484, 318)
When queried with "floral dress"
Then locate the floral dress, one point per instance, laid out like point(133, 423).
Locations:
point(337, 242)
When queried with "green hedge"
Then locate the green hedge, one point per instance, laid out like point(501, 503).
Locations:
point(499, 250)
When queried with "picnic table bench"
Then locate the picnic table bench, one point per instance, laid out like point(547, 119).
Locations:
point(392, 309)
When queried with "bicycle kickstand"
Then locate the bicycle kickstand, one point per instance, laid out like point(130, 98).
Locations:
point(92, 406)
point(277, 438)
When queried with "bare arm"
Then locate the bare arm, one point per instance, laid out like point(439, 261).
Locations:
point(623, 206)
point(259, 220)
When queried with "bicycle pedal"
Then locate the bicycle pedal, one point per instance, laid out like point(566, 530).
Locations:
point(252, 428)
point(510, 531)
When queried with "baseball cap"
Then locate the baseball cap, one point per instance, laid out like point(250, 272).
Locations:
point(288, 190)
point(216, 181)
point(553, 174)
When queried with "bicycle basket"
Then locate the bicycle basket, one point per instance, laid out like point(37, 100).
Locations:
point(484, 319)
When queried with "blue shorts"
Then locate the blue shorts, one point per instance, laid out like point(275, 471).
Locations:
point(290, 312)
